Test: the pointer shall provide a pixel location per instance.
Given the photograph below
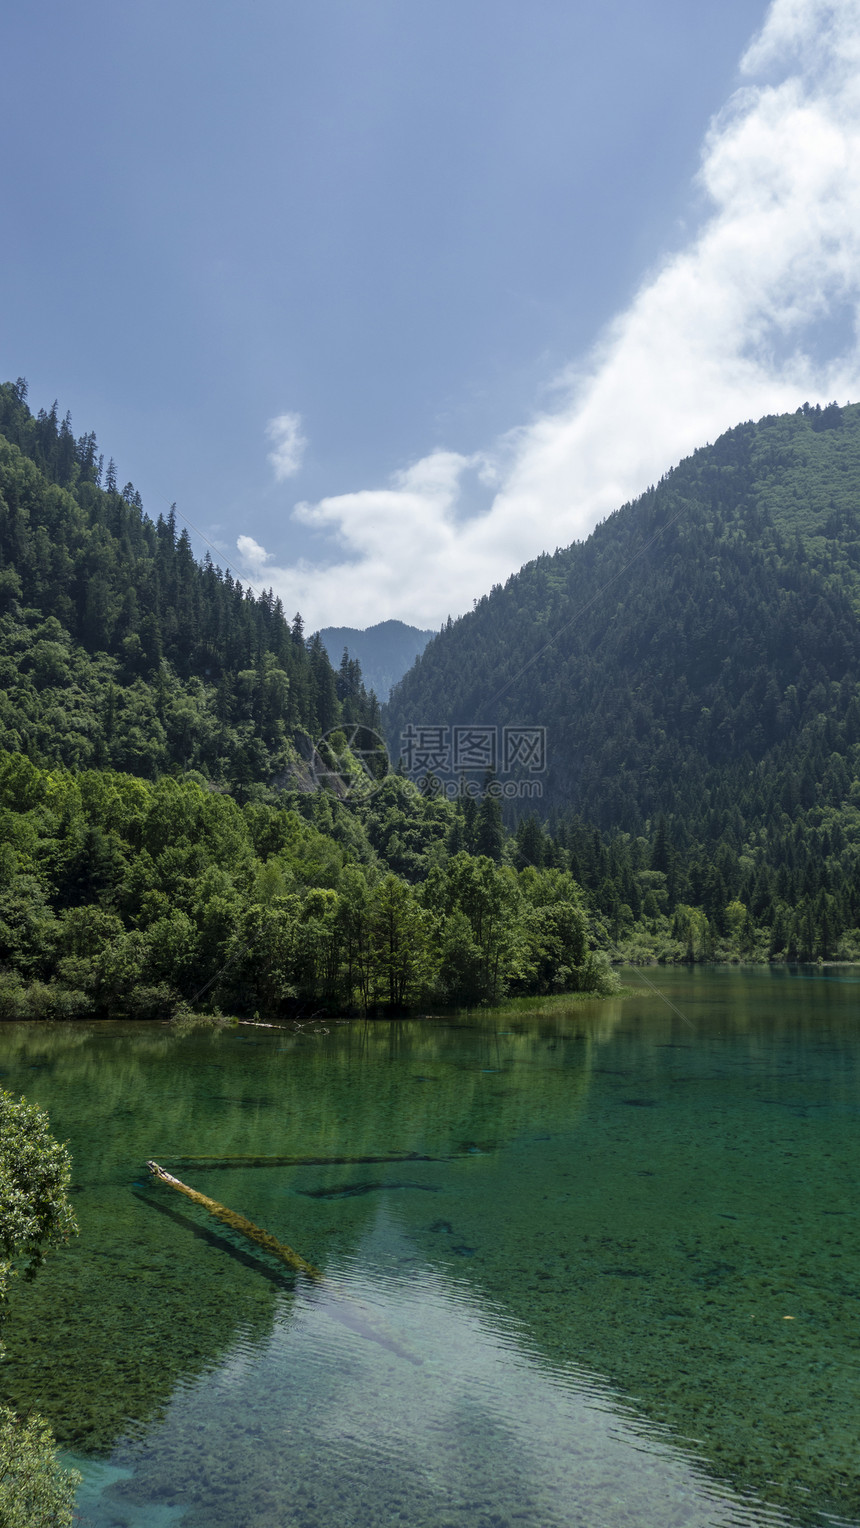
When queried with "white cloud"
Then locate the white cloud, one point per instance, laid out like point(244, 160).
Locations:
point(726, 329)
point(285, 433)
point(252, 554)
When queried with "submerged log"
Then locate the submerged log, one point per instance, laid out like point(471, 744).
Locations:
point(255, 1161)
point(349, 1312)
point(239, 1223)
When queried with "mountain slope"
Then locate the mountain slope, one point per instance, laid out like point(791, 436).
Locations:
point(698, 656)
point(118, 649)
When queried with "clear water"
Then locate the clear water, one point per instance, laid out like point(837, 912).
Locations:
point(623, 1287)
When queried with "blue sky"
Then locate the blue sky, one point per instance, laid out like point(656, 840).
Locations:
point(445, 276)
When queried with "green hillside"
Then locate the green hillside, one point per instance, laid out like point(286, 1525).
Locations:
point(696, 663)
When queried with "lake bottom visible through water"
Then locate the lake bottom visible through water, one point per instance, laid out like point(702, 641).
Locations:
point(587, 1264)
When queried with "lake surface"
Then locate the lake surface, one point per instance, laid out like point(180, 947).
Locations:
point(609, 1275)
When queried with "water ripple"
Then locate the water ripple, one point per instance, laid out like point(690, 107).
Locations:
point(380, 1398)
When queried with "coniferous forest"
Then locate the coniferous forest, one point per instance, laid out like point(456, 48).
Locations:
point(696, 665)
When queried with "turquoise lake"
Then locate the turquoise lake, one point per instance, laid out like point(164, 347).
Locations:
point(604, 1271)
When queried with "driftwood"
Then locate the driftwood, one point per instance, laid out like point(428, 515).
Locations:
point(258, 1024)
point(239, 1223)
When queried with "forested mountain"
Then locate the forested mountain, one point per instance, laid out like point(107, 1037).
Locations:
point(162, 838)
point(696, 663)
point(385, 651)
point(117, 648)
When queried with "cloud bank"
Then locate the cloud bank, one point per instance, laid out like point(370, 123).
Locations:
point(758, 312)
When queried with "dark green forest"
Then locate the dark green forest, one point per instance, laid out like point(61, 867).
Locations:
point(696, 663)
point(165, 840)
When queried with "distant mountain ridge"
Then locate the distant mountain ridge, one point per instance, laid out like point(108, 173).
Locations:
point(385, 651)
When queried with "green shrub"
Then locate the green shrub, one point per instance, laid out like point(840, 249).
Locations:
point(35, 1490)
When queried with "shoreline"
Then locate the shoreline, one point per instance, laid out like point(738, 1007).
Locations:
point(526, 1004)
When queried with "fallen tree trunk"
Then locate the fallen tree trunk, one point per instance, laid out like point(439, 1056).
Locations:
point(351, 1313)
point(239, 1223)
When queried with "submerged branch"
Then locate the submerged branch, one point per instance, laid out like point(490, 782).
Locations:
point(239, 1223)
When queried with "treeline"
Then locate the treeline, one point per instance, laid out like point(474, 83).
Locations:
point(118, 649)
point(791, 893)
point(124, 897)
